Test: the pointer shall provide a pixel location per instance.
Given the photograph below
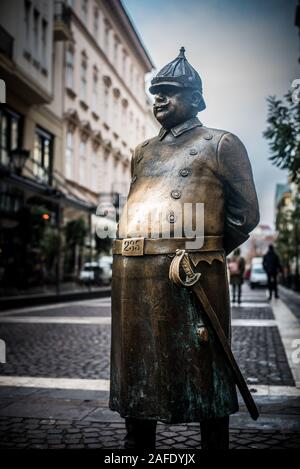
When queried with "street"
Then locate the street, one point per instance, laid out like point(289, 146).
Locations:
point(54, 384)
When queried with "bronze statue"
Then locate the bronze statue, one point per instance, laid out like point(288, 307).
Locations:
point(168, 362)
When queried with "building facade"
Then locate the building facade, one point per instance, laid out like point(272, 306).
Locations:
point(75, 108)
point(105, 105)
point(287, 212)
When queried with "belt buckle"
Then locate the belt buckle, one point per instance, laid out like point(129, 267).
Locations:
point(133, 247)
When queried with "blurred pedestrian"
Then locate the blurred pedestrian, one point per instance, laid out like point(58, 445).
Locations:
point(272, 267)
point(236, 270)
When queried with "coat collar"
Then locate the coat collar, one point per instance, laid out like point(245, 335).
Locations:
point(180, 128)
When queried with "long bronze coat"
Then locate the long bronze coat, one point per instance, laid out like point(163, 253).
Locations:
point(160, 369)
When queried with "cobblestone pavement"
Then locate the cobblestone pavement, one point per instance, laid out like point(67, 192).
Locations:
point(82, 350)
point(56, 350)
point(292, 299)
point(58, 434)
point(262, 312)
point(58, 418)
point(261, 356)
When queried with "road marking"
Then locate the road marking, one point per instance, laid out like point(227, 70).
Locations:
point(55, 306)
point(104, 385)
point(289, 330)
point(107, 320)
point(250, 305)
point(55, 383)
point(254, 322)
point(57, 320)
point(265, 390)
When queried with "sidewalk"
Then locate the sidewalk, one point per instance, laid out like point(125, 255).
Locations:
point(31, 418)
point(54, 387)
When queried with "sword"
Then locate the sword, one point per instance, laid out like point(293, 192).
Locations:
point(192, 281)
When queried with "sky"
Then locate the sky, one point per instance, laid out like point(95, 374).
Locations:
point(244, 51)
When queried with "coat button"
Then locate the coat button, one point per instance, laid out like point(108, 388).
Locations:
point(140, 157)
point(193, 151)
point(184, 172)
point(171, 217)
point(145, 143)
point(202, 333)
point(176, 194)
point(133, 179)
point(208, 137)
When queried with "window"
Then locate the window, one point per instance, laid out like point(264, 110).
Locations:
point(137, 130)
point(27, 8)
point(124, 58)
point(124, 117)
point(82, 163)
point(116, 48)
point(83, 79)
point(94, 171)
point(96, 24)
point(70, 3)
point(95, 91)
point(69, 155)
point(106, 103)
point(115, 113)
point(131, 76)
point(10, 134)
point(70, 68)
point(84, 11)
point(106, 38)
point(130, 126)
point(44, 43)
point(36, 20)
point(42, 155)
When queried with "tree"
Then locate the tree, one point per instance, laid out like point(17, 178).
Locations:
point(283, 133)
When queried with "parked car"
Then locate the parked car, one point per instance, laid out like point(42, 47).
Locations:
point(105, 263)
point(91, 273)
point(258, 276)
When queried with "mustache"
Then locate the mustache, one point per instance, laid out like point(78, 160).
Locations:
point(160, 106)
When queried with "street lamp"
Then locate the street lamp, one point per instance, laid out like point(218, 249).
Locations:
point(18, 157)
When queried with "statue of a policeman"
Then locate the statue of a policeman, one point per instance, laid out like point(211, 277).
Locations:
point(166, 362)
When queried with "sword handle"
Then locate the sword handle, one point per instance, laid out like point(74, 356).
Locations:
point(187, 267)
point(182, 258)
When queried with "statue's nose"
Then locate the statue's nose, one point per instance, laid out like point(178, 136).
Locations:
point(160, 98)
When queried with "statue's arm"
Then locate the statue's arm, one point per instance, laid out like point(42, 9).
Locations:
point(241, 204)
point(135, 155)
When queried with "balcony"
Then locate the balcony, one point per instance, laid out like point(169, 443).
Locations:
point(62, 22)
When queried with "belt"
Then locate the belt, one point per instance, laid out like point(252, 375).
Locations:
point(146, 246)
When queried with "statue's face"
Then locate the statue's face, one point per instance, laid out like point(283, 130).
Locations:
point(172, 106)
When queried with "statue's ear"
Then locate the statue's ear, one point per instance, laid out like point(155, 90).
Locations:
point(195, 98)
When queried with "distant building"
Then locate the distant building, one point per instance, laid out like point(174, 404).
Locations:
point(75, 108)
point(297, 20)
point(261, 237)
point(282, 193)
point(105, 107)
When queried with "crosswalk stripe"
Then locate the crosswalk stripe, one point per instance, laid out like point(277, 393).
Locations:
point(55, 383)
point(56, 320)
point(104, 385)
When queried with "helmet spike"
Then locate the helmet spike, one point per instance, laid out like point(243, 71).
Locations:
point(181, 52)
